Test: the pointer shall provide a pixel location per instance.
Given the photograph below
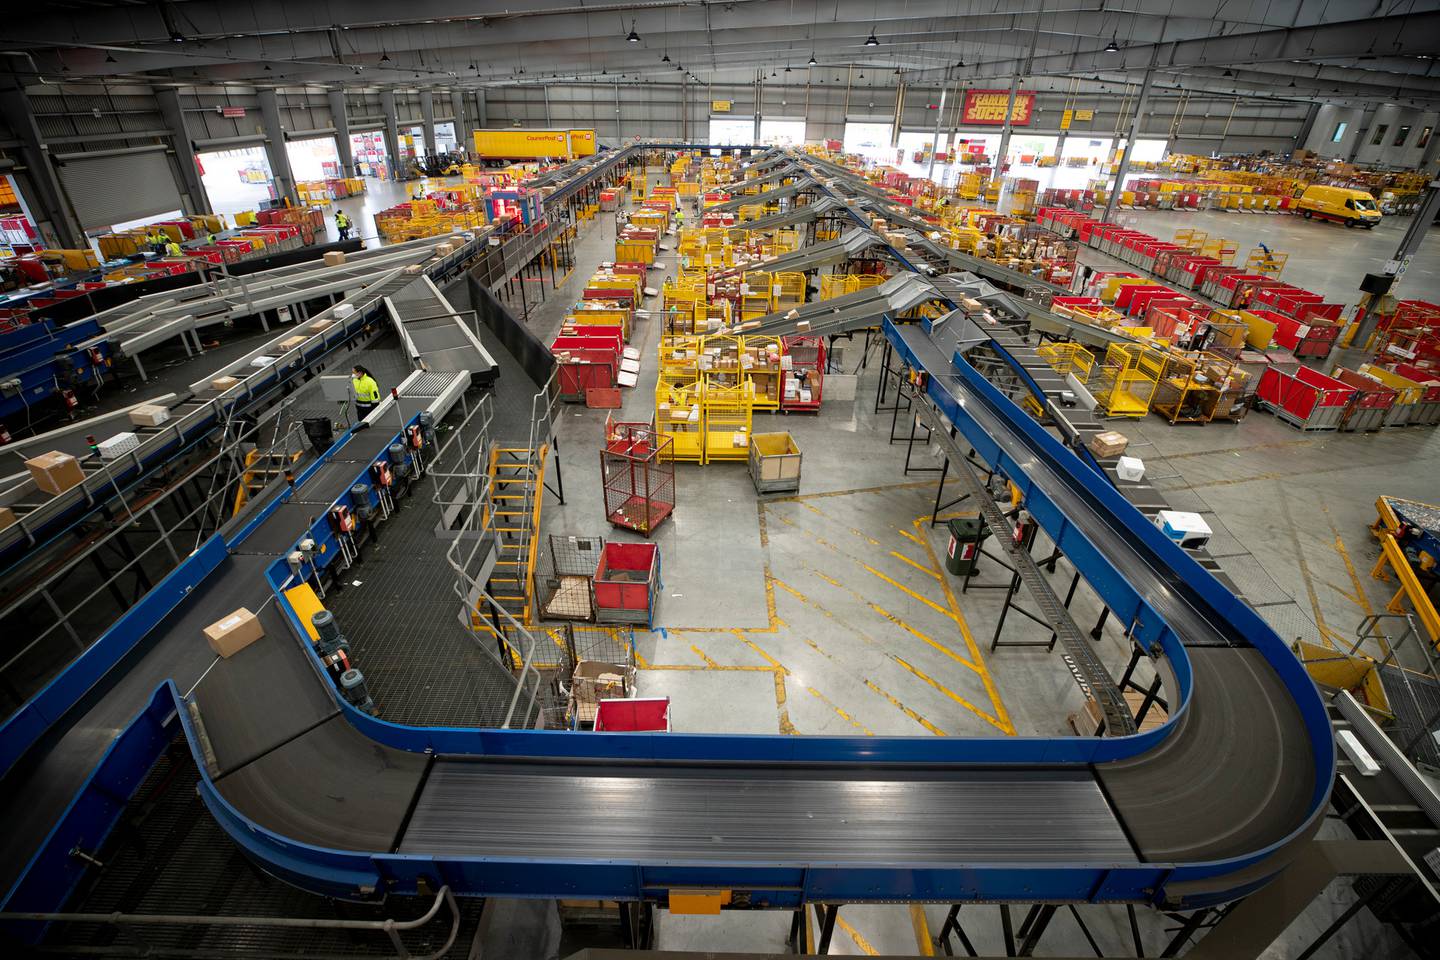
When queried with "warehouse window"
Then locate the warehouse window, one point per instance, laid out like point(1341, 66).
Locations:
point(870, 140)
point(368, 149)
point(1339, 133)
point(1379, 134)
point(236, 179)
point(1401, 136)
point(728, 131)
point(1424, 138)
point(782, 132)
point(314, 159)
point(445, 137)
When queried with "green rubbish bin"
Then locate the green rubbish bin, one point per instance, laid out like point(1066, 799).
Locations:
point(966, 535)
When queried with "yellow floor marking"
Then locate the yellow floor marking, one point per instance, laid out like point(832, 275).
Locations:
point(905, 710)
point(859, 533)
point(923, 941)
point(922, 675)
point(904, 559)
point(1325, 631)
point(641, 662)
point(842, 714)
point(809, 928)
point(782, 711)
point(1361, 598)
point(711, 664)
point(800, 497)
point(898, 621)
point(1001, 714)
point(775, 664)
point(860, 942)
point(908, 535)
point(904, 589)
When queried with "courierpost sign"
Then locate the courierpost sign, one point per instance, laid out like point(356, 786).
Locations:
point(988, 107)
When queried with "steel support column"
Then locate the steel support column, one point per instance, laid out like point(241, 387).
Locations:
point(275, 143)
point(48, 201)
point(341, 122)
point(169, 100)
point(1124, 167)
point(427, 120)
point(464, 129)
point(392, 132)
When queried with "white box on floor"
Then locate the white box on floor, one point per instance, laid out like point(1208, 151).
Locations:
point(1187, 529)
point(1130, 468)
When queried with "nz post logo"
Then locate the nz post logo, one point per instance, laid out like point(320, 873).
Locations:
point(988, 106)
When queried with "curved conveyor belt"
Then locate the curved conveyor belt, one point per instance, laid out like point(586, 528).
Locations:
point(1198, 811)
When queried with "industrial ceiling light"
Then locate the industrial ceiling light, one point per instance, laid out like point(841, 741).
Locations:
point(870, 41)
point(267, 66)
point(679, 68)
point(633, 37)
point(1292, 83)
point(897, 71)
point(110, 58)
point(665, 59)
point(773, 74)
point(384, 57)
point(1228, 73)
point(1112, 46)
point(787, 69)
point(862, 74)
point(813, 61)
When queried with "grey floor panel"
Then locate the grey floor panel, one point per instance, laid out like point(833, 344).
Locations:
point(762, 816)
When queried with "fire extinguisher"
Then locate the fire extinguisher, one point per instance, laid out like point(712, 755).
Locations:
point(71, 401)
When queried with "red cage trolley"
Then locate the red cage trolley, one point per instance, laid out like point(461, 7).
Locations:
point(637, 473)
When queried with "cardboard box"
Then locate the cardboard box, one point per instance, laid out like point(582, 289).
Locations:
point(223, 383)
point(55, 472)
point(290, 343)
point(7, 517)
point(1109, 444)
point(234, 633)
point(149, 415)
point(414, 270)
point(335, 258)
point(443, 249)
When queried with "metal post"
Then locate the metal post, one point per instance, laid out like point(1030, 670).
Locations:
point(1005, 132)
point(169, 100)
point(1124, 167)
point(275, 143)
point(392, 131)
point(828, 913)
point(427, 120)
point(935, 141)
point(464, 136)
point(50, 205)
point(341, 122)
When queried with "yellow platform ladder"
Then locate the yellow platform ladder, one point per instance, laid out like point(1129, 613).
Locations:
point(260, 469)
point(517, 482)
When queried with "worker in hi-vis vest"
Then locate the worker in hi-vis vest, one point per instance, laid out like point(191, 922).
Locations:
point(342, 224)
point(367, 391)
point(172, 249)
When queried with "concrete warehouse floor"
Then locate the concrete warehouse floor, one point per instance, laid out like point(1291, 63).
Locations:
point(829, 612)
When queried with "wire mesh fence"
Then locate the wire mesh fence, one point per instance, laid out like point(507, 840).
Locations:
point(564, 577)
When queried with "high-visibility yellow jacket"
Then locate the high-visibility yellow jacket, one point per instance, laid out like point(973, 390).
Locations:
point(173, 249)
point(366, 389)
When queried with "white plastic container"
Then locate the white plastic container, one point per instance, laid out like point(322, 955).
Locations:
point(1131, 469)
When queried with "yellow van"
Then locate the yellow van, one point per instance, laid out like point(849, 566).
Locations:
point(1350, 207)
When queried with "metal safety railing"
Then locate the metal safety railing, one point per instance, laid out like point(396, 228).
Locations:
point(207, 514)
point(133, 923)
point(458, 467)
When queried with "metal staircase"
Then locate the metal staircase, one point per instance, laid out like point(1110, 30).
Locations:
point(517, 482)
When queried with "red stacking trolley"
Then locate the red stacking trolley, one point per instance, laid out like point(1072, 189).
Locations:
point(1304, 397)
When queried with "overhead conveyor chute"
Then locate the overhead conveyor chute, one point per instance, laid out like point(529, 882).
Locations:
point(820, 254)
point(794, 215)
point(769, 196)
point(853, 311)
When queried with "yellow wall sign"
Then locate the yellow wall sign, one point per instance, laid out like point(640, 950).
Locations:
point(1084, 114)
point(720, 106)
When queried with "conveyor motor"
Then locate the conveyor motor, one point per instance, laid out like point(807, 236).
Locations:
point(330, 644)
point(398, 466)
point(360, 497)
point(352, 685)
